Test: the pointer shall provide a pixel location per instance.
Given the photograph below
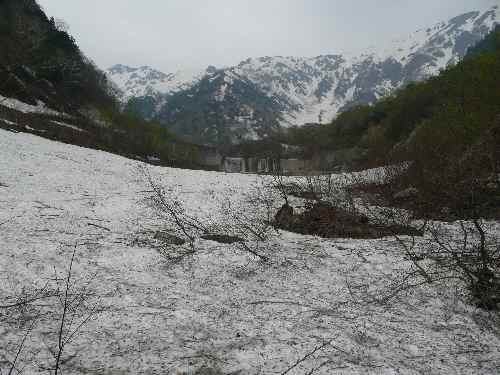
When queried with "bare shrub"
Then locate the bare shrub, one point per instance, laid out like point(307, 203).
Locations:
point(55, 314)
point(472, 255)
point(246, 229)
point(465, 252)
point(330, 208)
point(315, 188)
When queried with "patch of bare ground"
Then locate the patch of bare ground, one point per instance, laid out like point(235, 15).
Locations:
point(328, 221)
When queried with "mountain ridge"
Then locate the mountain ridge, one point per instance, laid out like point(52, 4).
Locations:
point(147, 81)
point(305, 90)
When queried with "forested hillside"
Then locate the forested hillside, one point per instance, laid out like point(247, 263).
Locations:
point(447, 126)
point(39, 60)
point(463, 97)
point(49, 88)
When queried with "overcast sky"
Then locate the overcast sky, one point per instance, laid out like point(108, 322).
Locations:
point(176, 34)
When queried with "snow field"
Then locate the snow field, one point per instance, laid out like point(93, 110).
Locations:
point(221, 307)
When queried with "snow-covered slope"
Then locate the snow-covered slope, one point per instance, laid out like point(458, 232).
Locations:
point(308, 90)
point(316, 89)
point(146, 81)
point(222, 108)
point(221, 307)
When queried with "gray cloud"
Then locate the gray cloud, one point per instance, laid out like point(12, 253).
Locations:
point(174, 34)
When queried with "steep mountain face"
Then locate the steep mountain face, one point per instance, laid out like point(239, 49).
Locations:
point(41, 63)
point(249, 100)
point(49, 88)
point(146, 81)
point(222, 108)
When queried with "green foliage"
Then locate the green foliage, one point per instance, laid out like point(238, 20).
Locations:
point(462, 102)
point(145, 137)
point(61, 76)
point(490, 44)
point(141, 107)
point(40, 61)
point(149, 139)
point(447, 126)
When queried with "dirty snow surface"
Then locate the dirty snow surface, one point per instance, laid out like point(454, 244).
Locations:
point(220, 308)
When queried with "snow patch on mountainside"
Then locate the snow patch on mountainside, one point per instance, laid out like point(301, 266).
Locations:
point(146, 81)
point(40, 108)
point(316, 89)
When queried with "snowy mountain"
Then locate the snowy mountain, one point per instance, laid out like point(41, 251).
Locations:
point(295, 90)
point(221, 108)
point(146, 81)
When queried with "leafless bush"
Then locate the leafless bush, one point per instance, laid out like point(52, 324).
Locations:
point(247, 230)
point(77, 307)
point(465, 252)
point(467, 259)
point(471, 255)
point(315, 188)
point(56, 314)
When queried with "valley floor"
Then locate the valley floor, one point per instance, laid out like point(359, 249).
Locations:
point(220, 308)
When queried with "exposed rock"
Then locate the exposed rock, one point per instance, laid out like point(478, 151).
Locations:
point(169, 239)
point(222, 238)
point(208, 371)
point(327, 221)
point(405, 194)
point(211, 69)
point(284, 217)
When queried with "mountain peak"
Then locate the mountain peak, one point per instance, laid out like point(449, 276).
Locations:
point(300, 90)
point(120, 69)
point(147, 81)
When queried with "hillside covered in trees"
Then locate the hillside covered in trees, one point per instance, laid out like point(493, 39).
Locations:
point(448, 127)
point(45, 78)
point(463, 97)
